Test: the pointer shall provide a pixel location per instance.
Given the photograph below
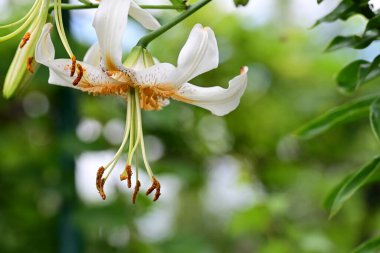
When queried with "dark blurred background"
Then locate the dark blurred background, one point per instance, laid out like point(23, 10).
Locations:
point(240, 183)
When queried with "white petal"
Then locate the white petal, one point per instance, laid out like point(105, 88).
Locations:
point(110, 22)
point(59, 74)
point(143, 17)
point(60, 68)
point(45, 49)
point(216, 99)
point(155, 75)
point(198, 55)
point(93, 55)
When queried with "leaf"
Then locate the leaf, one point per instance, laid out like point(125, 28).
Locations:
point(353, 184)
point(370, 34)
point(375, 118)
point(346, 9)
point(351, 77)
point(370, 246)
point(329, 201)
point(354, 41)
point(338, 115)
point(241, 2)
point(319, 1)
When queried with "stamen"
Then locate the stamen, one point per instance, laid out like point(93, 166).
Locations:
point(137, 188)
point(100, 182)
point(155, 186)
point(25, 39)
point(127, 175)
point(73, 64)
point(29, 66)
point(80, 75)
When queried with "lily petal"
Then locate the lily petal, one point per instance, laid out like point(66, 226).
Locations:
point(143, 17)
point(155, 75)
point(110, 22)
point(198, 55)
point(60, 69)
point(93, 55)
point(216, 99)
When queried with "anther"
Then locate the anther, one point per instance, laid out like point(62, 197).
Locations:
point(155, 186)
point(73, 64)
point(25, 39)
point(29, 66)
point(100, 182)
point(137, 188)
point(129, 175)
point(80, 75)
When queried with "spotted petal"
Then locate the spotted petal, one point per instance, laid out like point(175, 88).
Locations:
point(143, 17)
point(155, 75)
point(198, 55)
point(110, 22)
point(216, 99)
point(60, 69)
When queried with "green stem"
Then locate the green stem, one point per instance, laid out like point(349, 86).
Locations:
point(91, 6)
point(144, 41)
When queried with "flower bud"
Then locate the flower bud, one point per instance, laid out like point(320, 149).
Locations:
point(23, 65)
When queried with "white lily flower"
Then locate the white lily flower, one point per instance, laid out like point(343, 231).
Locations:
point(144, 84)
point(374, 5)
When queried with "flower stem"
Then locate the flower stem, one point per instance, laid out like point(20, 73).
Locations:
point(144, 41)
point(91, 6)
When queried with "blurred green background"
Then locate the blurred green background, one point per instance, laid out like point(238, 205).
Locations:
point(240, 183)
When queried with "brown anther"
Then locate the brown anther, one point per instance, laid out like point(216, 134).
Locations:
point(25, 39)
point(158, 193)
point(29, 66)
point(73, 64)
point(129, 175)
point(100, 182)
point(80, 75)
point(137, 188)
point(155, 186)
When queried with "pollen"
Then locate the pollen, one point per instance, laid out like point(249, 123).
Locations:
point(29, 66)
point(100, 182)
point(129, 176)
point(80, 75)
point(25, 39)
point(155, 186)
point(137, 188)
point(73, 64)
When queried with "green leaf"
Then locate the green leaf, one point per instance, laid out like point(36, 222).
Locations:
point(346, 9)
point(336, 116)
point(370, 34)
point(353, 184)
point(319, 1)
point(241, 2)
point(375, 118)
point(329, 201)
point(370, 246)
point(354, 41)
point(351, 77)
